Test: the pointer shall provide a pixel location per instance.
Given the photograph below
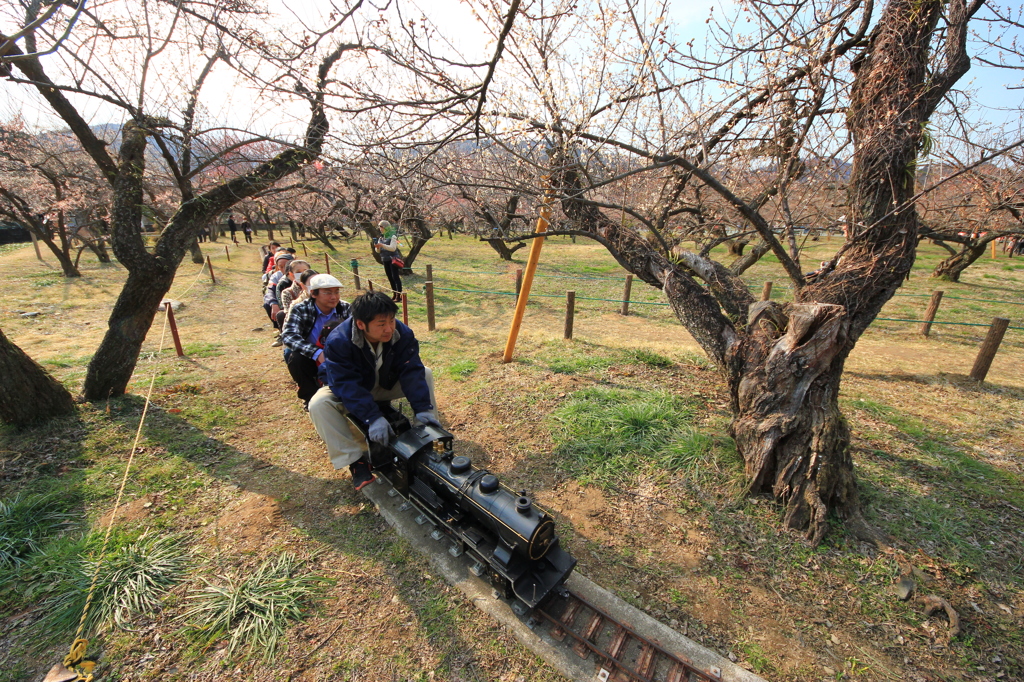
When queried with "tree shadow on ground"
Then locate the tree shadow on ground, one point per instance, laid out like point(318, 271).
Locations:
point(331, 512)
point(960, 381)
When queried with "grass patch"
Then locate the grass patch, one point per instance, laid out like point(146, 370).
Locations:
point(646, 357)
point(252, 611)
point(28, 522)
point(202, 349)
point(461, 369)
point(580, 358)
point(606, 435)
point(132, 579)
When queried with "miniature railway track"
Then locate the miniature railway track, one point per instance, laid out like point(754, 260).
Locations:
point(622, 654)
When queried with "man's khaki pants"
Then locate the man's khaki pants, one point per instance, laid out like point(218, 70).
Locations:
point(345, 442)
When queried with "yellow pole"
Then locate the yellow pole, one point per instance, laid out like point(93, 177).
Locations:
point(531, 268)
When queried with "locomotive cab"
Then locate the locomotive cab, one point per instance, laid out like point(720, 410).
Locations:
point(512, 540)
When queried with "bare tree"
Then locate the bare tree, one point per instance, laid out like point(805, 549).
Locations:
point(51, 187)
point(734, 134)
point(977, 203)
point(211, 171)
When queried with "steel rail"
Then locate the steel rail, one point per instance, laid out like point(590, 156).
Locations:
point(644, 670)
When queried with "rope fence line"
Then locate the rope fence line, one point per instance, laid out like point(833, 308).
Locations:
point(503, 272)
point(996, 329)
point(364, 277)
point(578, 298)
point(961, 324)
point(752, 285)
point(789, 287)
point(202, 269)
point(659, 303)
point(79, 646)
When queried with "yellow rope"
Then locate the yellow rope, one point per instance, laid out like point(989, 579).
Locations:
point(196, 280)
point(76, 654)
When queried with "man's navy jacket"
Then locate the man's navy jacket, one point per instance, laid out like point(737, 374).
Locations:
point(350, 364)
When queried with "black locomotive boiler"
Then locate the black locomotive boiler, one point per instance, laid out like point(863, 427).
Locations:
point(512, 540)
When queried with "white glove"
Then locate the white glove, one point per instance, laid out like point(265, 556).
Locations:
point(380, 431)
point(427, 418)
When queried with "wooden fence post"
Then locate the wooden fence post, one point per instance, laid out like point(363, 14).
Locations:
point(210, 265)
point(174, 329)
point(570, 313)
point(227, 253)
point(304, 252)
point(369, 285)
point(355, 271)
point(989, 347)
point(405, 309)
point(625, 294)
point(430, 305)
point(519, 282)
point(929, 315)
point(993, 248)
point(327, 263)
point(766, 291)
point(430, 272)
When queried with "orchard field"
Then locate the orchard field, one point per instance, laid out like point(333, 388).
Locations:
point(622, 432)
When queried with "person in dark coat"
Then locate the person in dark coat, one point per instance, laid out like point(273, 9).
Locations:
point(232, 228)
point(369, 357)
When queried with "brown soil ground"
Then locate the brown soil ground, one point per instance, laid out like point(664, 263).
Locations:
point(268, 487)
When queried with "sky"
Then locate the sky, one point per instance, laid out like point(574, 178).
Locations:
point(997, 89)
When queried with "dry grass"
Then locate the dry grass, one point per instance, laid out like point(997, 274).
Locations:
point(230, 459)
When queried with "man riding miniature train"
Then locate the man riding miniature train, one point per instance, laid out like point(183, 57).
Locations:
point(307, 328)
point(368, 358)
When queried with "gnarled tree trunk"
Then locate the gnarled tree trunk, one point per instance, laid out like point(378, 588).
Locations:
point(784, 362)
point(794, 440)
point(197, 252)
point(28, 393)
point(951, 268)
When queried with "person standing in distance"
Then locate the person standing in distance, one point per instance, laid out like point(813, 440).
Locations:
point(370, 357)
point(387, 245)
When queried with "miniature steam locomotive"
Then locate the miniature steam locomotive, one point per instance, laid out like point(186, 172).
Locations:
point(511, 539)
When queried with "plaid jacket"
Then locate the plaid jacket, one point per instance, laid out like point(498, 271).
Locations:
point(300, 323)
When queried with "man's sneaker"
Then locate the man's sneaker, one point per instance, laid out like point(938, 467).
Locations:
point(277, 343)
point(361, 476)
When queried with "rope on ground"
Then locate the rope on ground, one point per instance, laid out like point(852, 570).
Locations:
point(75, 659)
point(198, 275)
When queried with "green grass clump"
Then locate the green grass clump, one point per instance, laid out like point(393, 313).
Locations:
point(27, 522)
point(605, 435)
point(253, 611)
point(583, 357)
point(461, 369)
point(646, 357)
point(201, 349)
point(132, 578)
